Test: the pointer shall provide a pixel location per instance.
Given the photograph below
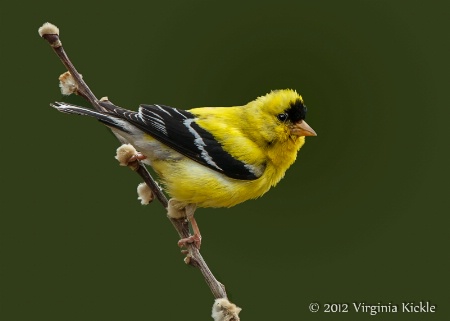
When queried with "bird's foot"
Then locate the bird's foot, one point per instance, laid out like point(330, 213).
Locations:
point(127, 155)
point(137, 157)
point(180, 210)
point(196, 239)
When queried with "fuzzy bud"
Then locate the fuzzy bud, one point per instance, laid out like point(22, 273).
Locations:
point(145, 194)
point(67, 84)
point(176, 209)
point(124, 153)
point(224, 310)
point(48, 29)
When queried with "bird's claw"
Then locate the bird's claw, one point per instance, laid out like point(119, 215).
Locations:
point(137, 157)
point(196, 239)
point(127, 155)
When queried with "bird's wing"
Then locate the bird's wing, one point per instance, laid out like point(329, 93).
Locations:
point(177, 129)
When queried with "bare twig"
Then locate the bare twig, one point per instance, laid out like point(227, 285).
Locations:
point(51, 34)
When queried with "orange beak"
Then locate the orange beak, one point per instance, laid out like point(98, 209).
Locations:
point(302, 129)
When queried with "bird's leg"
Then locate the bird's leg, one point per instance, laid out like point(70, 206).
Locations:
point(197, 237)
point(179, 210)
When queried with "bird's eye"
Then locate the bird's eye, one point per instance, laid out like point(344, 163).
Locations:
point(282, 117)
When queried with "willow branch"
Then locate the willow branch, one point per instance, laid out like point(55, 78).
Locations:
point(51, 34)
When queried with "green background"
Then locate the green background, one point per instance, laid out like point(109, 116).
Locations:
point(362, 216)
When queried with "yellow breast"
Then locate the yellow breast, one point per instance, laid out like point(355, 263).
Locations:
point(190, 182)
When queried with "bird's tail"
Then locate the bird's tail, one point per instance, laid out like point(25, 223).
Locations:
point(103, 117)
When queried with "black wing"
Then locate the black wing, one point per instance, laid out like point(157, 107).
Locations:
point(177, 129)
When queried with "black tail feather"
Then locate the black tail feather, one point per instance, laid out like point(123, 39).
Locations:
point(103, 117)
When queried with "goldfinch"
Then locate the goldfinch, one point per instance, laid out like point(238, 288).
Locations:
point(213, 156)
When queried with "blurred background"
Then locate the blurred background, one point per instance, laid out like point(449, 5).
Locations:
point(362, 216)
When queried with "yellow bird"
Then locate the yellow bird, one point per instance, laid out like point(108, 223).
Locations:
point(213, 156)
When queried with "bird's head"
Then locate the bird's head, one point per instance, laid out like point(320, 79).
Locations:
point(282, 115)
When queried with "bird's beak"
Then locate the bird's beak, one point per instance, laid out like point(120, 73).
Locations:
point(302, 129)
